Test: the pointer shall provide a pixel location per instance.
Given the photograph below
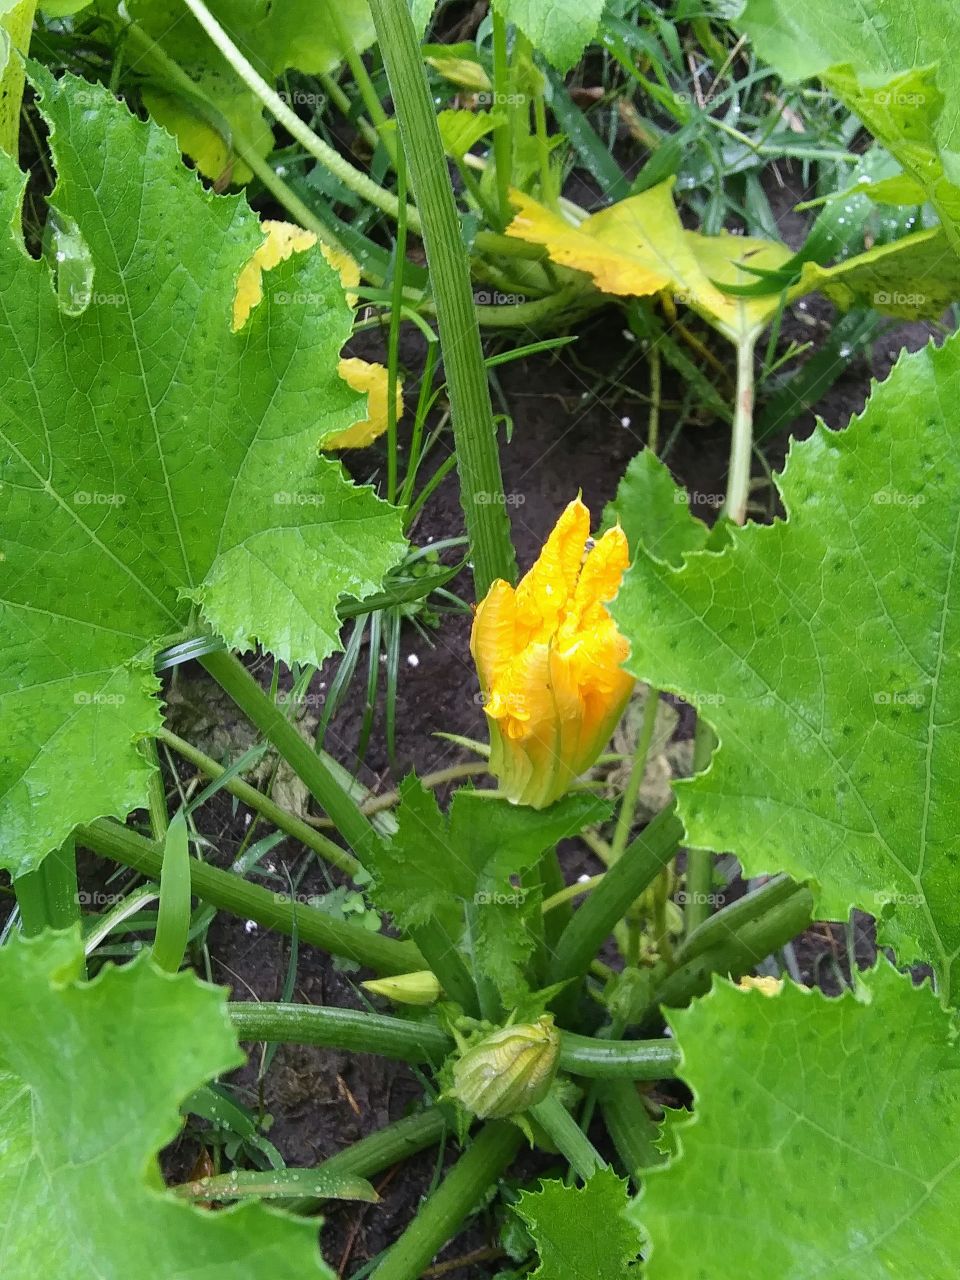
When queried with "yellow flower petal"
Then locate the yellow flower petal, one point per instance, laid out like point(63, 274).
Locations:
point(374, 380)
point(550, 662)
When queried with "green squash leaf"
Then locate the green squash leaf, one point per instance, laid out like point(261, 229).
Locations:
point(915, 278)
point(799, 1097)
point(160, 472)
point(581, 1233)
point(435, 863)
point(654, 512)
point(893, 64)
point(559, 29)
point(822, 650)
point(92, 1075)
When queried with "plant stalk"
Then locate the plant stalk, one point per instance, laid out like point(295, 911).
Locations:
point(423, 1042)
point(478, 459)
point(741, 441)
point(222, 889)
point(596, 919)
point(462, 1188)
point(331, 160)
point(567, 1136)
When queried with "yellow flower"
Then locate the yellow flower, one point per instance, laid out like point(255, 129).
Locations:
point(549, 657)
point(283, 239)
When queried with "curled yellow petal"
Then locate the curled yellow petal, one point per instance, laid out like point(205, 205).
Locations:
point(281, 240)
point(372, 379)
point(550, 661)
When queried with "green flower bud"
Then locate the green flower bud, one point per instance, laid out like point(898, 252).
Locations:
point(407, 988)
point(508, 1071)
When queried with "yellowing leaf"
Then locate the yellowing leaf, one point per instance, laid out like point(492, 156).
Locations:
point(372, 379)
point(465, 73)
point(639, 247)
point(284, 239)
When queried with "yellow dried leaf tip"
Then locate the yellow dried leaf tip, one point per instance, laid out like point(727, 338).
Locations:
point(282, 240)
point(550, 657)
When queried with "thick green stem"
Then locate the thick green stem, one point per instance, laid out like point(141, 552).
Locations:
point(251, 902)
point(381, 1149)
point(48, 897)
point(415, 1042)
point(478, 459)
point(423, 1042)
point(737, 953)
point(18, 24)
point(631, 1127)
point(597, 1059)
point(461, 1190)
point(734, 917)
point(567, 1136)
point(230, 673)
point(263, 805)
point(593, 923)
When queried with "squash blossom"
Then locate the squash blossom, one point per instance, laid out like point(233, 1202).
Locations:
point(549, 657)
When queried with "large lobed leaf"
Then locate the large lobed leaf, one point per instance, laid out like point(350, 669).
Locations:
point(160, 472)
point(91, 1078)
point(823, 1142)
point(822, 650)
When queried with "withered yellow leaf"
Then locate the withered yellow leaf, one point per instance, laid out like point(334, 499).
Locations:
point(639, 247)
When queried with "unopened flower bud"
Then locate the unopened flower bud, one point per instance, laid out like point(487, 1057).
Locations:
point(421, 987)
point(508, 1071)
